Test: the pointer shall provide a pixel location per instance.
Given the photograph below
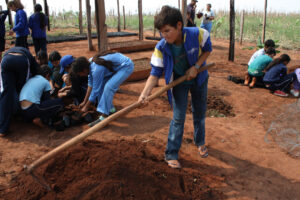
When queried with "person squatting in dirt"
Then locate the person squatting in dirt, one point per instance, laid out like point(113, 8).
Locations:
point(106, 72)
point(181, 51)
point(278, 81)
point(256, 68)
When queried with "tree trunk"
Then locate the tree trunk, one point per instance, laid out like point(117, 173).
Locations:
point(9, 17)
point(184, 11)
point(141, 28)
point(80, 18)
point(242, 27)
point(232, 31)
point(119, 18)
point(265, 22)
point(124, 18)
point(89, 25)
point(46, 8)
point(101, 26)
point(34, 2)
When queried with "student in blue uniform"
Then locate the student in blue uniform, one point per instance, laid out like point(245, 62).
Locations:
point(106, 72)
point(61, 77)
point(181, 51)
point(42, 57)
point(3, 15)
point(17, 66)
point(277, 80)
point(21, 24)
point(35, 98)
point(38, 23)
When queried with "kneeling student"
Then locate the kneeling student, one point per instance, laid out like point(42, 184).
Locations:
point(35, 98)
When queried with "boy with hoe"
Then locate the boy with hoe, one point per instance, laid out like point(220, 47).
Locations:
point(181, 51)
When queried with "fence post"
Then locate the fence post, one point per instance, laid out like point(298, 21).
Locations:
point(124, 18)
point(9, 17)
point(141, 28)
point(34, 2)
point(80, 17)
point(184, 11)
point(89, 25)
point(242, 27)
point(101, 26)
point(46, 8)
point(119, 19)
point(265, 22)
point(232, 31)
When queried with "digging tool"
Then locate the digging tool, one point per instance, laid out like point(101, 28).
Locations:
point(102, 124)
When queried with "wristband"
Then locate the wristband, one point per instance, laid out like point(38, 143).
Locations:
point(197, 66)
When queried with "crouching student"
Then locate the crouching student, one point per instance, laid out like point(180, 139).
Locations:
point(61, 77)
point(42, 57)
point(255, 70)
point(181, 51)
point(276, 78)
point(35, 98)
point(106, 72)
point(295, 91)
point(260, 52)
point(16, 68)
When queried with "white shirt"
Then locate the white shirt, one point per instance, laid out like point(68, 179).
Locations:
point(256, 54)
point(207, 14)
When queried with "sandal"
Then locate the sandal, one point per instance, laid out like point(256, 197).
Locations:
point(203, 151)
point(174, 164)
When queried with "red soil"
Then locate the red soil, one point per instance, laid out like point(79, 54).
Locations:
point(125, 160)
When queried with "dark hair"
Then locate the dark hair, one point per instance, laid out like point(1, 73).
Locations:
point(38, 9)
point(271, 51)
point(42, 55)
point(100, 61)
point(45, 70)
point(15, 3)
point(167, 16)
point(79, 65)
point(54, 56)
point(269, 43)
point(283, 58)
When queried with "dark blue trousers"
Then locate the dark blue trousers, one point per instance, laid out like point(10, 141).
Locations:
point(40, 44)
point(21, 42)
point(13, 73)
point(284, 83)
point(45, 110)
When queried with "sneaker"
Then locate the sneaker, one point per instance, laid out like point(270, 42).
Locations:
point(280, 93)
point(101, 118)
point(112, 111)
point(295, 93)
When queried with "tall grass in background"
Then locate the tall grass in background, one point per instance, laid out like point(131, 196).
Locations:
point(284, 28)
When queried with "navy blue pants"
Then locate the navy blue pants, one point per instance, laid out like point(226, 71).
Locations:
point(284, 84)
point(40, 44)
point(45, 110)
point(13, 73)
point(21, 42)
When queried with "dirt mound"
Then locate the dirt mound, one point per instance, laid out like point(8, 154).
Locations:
point(217, 107)
point(115, 170)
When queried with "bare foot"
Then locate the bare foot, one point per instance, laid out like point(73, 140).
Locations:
point(38, 122)
point(174, 164)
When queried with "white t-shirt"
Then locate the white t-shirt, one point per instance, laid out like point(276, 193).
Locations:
point(256, 54)
point(207, 14)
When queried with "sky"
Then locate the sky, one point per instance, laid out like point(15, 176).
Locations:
point(284, 6)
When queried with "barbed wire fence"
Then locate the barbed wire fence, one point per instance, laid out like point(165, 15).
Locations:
point(285, 129)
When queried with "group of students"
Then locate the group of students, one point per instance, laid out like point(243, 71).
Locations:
point(264, 70)
point(39, 89)
point(37, 23)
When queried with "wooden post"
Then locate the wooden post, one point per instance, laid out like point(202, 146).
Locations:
point(101, 26)
point(179, 4)
point(141, 28)
point(124, 18)
point(184, 11)
point(34, 2)
point(9, 17)
point(89, 25)
point(232, 31)
point(265, 22)
point(46, 8)
point(80, 17)
point(119, 18)
point(242, 27)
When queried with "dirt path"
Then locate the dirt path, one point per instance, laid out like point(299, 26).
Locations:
point(240, 164)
